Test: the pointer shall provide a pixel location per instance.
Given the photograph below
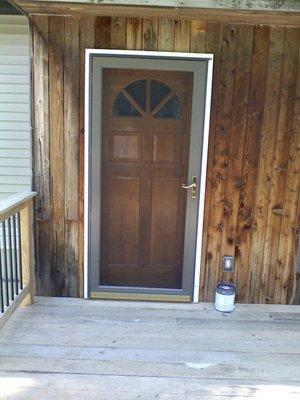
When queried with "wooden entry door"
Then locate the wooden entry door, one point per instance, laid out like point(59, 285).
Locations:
point(145, 148)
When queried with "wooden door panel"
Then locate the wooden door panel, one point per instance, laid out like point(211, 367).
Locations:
point(167, 148)
point(166, 211)
point(145, 148)
point(125, 147)
point(124, 220)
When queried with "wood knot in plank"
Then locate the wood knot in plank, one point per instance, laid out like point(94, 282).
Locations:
point(216, 180)
point(231, 238)
point(237, 252)
point(296, 230)
point(281, 168)
point(248, 221)
point(239, 183)
point(277, 209)
point(227, 209)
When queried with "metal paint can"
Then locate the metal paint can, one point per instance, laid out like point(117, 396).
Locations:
point(225, 296)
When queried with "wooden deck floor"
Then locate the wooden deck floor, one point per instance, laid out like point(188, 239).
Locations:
point(79, 349)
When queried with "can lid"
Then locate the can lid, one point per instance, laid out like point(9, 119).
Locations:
point(225, 288)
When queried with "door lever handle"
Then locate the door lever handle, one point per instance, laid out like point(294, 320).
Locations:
point(192, 186)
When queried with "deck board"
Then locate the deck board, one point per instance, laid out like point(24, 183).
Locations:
point(78, 349)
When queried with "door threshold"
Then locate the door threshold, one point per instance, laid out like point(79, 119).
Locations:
point(178, 298)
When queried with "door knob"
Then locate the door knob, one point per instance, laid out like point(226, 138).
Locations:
point(192, 186)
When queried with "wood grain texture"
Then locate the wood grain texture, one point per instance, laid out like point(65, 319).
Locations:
point(165, 34)
point(182, 35)
point(276, 41)
point(103, 33)
point(236, 140)
point(220, 156)
point(27, 250)
point(213, 46)
point(71, 151)
point(71, 106)
point(279, 164)
point(290, 255)
point(57, 154)
point(40, 121)
point(134, 34)
point(86, 41)
point(118, 33)
point(252, 192)
point(285, 262)
point(251, 148)
point(41, 151)
point(198, 36)
point(150, 33)
point(156, 351)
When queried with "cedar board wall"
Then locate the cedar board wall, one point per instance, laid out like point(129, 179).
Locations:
point(252, 196)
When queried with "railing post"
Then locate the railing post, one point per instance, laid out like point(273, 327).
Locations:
point(27, 253)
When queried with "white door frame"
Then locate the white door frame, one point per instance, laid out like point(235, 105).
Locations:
point(156, 54)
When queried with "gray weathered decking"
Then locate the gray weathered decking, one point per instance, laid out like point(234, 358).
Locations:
point(78, 349)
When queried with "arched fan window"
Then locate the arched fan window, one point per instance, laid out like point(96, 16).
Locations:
point(148, 96)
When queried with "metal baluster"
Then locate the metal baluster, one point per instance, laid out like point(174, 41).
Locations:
point(5, 262)
point(20, 253)
point(15, 254)
point(1, 284)
point(10, 259)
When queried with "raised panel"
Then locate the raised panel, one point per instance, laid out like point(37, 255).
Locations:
point(167, 148)
point(124, 220)
point(166, 211)
point(125, 147)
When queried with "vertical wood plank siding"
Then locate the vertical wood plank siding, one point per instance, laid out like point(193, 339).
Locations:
point(252, 195)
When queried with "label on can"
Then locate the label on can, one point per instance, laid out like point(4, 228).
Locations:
point(224, 303)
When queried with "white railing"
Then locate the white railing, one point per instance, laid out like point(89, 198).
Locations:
point(16, 253)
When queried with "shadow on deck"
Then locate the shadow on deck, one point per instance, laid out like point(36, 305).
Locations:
point(79, 349)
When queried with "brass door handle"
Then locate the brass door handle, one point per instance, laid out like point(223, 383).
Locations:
point(193, 186)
